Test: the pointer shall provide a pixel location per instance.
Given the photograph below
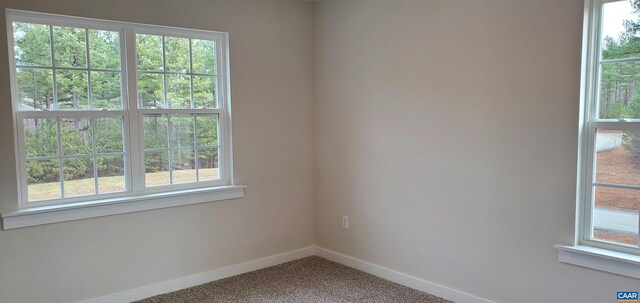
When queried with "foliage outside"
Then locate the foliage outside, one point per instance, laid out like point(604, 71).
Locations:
point(620, 81)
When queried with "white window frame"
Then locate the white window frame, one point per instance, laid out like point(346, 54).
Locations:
point(610, 257)
point(591, 123)
point(133, 128)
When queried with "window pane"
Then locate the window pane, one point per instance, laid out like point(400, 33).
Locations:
point(32, 44)
point(104, 49)
point(619, 84)
point(41, 137)
point(72, 89)
point(76, 136)
point(155, 131)
point(204, 92)
point(149, 52)
point(178, 91)
point(111, 174)
point(617, 198)
point(78, 177)
point(105, 90)
point(204, 56)
point(608, 235)
point(615, 216)
point(207, 127)
point(43, 180)
point(182, 133)
point(208, 164)
point(618, 41)
point(150, 90)
point(618, 157)
point(156, 168)
point(70, 46)
point(183, 165)
point(109, 135)
point(35, 88)
point(177, 54)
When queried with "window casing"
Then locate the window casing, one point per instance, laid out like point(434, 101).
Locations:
point(191, 109)
point(608, 190)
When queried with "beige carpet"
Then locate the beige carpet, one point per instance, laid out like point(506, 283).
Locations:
point(311, 279)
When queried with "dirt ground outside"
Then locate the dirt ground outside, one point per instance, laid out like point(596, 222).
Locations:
point(618, 167)
point(616, 237)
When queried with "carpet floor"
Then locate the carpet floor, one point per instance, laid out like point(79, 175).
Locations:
point(311, 279)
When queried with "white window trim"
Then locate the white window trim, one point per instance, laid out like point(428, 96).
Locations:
point(138, 197)
point(92, 209)
point(600, 259)
point(585, 252)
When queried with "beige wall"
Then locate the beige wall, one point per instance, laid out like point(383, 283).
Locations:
point(447, 131)
point(270, 45)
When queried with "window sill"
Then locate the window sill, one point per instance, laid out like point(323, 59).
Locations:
point(600, 259)
point(83, 210)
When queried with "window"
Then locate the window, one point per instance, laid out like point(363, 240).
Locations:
point(609, 188)
point(110, 110)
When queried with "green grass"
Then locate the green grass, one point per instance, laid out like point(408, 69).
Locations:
point(44, 191)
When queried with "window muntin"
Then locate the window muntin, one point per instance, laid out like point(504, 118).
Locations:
point(175, 72)
point(59, 67)
point(611, 198)
point(74, 79)
point(178, 73)
point(88, 151)
point(77, 70)
point(181, 148)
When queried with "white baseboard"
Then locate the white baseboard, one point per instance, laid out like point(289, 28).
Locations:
point(400, 278)
point(201, 278)
point(221, 273)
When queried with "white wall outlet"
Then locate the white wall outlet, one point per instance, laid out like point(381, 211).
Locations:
point(345, 222)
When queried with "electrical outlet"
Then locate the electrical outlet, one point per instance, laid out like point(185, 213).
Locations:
point(345, 222)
